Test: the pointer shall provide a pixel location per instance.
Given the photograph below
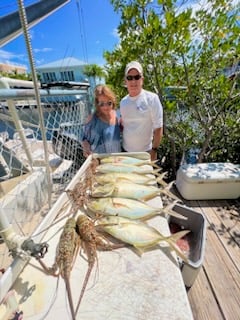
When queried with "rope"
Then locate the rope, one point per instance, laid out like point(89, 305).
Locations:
point(82, 31)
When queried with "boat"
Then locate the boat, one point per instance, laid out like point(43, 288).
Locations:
point(47, 299)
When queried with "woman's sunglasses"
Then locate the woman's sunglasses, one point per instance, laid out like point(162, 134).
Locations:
point(102, 104)
point(136, 77)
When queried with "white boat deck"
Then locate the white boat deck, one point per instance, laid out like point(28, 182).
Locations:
point(122, 285)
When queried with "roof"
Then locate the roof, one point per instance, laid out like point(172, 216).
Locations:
point(66, 62)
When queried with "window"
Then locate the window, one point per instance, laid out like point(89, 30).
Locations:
point(67, 76)
point(49, 77)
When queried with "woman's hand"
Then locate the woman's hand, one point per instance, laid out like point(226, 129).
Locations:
point(86, 148)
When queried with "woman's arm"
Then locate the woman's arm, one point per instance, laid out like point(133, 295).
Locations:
point(86, 148)
point(84, 137)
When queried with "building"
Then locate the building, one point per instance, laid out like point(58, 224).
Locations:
point(66, 73)
point(64, 70)
point(12, 69)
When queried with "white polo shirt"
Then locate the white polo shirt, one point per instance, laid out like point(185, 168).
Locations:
point(140, 116)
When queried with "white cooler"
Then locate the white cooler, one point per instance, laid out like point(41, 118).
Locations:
point(206, 181)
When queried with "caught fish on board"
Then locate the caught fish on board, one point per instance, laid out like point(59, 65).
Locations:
point(124, 189)
point(128, 208)
point(139, 155)
point(127, 168)
point(128, 160)
point(132, 177)
point(139, 234)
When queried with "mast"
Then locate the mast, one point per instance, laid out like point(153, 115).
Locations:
point(11, 24)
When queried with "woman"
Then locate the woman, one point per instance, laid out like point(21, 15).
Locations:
point(101, 133)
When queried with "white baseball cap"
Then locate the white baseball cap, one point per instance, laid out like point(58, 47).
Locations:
point(134, 65)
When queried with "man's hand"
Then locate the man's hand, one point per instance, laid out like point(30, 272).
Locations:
point(153, 154)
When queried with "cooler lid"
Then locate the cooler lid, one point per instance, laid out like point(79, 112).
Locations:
point(211, 172)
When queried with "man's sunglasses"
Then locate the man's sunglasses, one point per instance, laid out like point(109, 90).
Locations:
point(102, 104)
point(136, 77)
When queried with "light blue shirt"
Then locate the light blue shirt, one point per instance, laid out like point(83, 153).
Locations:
point(102, 137)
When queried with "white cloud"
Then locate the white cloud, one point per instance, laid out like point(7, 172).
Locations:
point(203, 4)
point(43, 50)
point(115, 33)
point(5, 55)
point(39, 61)
point(11, 58)
point(8, 58)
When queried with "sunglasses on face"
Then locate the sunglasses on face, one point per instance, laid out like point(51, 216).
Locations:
point(102, 104)
point(136, 77)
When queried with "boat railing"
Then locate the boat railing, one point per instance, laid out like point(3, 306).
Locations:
point(24, 187)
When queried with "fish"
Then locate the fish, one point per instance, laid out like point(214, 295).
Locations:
point(128, 208)
point(124, 189)
point(138, 155)
point(132, 177)
point(126, 168)
point(139, 234)
point(127, 160)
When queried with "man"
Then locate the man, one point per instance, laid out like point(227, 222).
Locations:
point(142, 114)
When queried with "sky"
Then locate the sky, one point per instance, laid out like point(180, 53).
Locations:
point(82, 29)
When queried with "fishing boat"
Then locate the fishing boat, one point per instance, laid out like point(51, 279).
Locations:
point(48, 298)
point(123, 283)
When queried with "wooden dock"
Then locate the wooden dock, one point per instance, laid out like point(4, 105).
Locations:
point(215, 293)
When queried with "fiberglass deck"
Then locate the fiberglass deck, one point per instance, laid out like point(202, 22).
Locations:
point(122, 285)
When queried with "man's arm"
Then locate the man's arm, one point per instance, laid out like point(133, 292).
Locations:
point(157, 137)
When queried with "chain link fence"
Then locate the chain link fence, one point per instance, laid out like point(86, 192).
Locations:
point(26, 193)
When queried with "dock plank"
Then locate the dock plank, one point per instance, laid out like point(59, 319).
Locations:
point(204, 306)
point(229, 214)
point(216, 291)
point(223, 276)
point(225, 227)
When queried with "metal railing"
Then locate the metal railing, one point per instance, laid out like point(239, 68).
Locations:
point(24, 187)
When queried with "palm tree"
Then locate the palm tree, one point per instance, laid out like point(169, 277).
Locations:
point(94, 71)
